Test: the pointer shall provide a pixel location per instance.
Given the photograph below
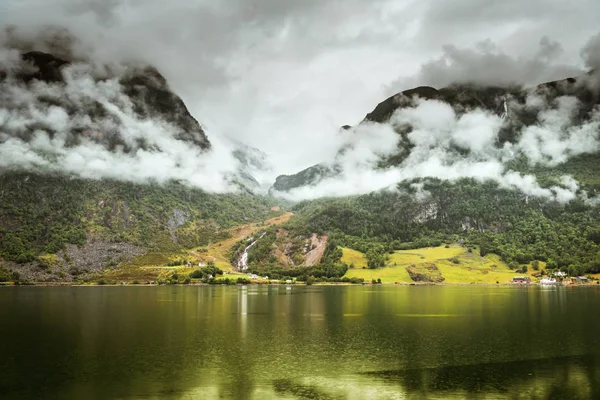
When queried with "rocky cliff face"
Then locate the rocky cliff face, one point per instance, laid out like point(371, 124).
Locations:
point(42, 83)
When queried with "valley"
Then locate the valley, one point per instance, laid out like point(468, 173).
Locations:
point(499, 185)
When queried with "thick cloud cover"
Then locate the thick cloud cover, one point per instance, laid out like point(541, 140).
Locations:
point(284, 75)
point(37, 121)
point(438, 136)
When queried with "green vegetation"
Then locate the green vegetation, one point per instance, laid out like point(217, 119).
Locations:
point(6, 276)
point(353, 258)
point(206, 272)
point(437, 264)
point(504, 222)
point(373, 236)
point(40, 214)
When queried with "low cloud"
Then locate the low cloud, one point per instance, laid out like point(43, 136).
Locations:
point(451, 146)
point(283, 76)
point(86, 126)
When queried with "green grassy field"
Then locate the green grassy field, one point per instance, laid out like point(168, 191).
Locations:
point(353, 257)
point(471, 268)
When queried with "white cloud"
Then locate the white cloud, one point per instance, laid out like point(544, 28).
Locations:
point(283, 76)
point(437, 128)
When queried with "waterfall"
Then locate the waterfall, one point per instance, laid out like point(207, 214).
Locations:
point(505, 114)
point(242, 264)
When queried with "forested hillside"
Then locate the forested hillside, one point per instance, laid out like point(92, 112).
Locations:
point(506, 170)
point(511, 170)
point(43, 214)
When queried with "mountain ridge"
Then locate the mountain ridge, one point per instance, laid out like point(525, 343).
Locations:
point(462, 98)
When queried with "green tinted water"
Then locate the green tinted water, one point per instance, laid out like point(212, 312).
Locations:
point(307, 342)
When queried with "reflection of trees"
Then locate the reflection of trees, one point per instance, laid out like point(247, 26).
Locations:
point(115, 342)
point(231, 342)
point(564, 377)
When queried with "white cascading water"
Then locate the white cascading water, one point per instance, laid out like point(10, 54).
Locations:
point(505, 114)
point(242, 264)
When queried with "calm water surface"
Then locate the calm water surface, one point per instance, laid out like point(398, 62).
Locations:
point(299, 343)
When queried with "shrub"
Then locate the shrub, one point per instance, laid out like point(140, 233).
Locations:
point(310, 280)
point(535, 264)
point(523, 269)
point(455, 260)
point(197, 274)
point(187, 281)
point(4, 275)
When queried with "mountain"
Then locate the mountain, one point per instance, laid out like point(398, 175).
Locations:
point(62, 228)
point(49, 84)
point(510, 103)
point(548, 220)
point(253, 164)
point(57, 224)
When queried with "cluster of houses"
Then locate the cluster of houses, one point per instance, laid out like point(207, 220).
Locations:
point(557, 278)
point(254, 276)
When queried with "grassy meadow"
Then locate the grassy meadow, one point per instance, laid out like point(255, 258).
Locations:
point(455, 263)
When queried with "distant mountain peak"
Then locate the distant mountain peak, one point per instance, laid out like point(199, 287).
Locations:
point(144, 86)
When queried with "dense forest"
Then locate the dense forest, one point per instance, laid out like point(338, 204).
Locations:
point(43, 213)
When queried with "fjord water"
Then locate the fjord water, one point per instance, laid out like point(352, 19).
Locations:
point(261, 342)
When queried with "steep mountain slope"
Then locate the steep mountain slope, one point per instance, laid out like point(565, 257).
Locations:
point(63, 122)
point(541, 204)
point(518, 107)
point(86, 226)
point(52, 84)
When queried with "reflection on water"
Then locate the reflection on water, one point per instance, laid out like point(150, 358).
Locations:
point(261, 342)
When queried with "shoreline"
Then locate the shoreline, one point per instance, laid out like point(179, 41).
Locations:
point(403, 284)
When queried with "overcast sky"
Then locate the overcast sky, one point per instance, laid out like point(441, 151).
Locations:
point(284, 75)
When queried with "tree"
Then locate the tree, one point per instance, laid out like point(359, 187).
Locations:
point(375, 258)
point(573, 270)
point(523, 269)
point(535, 264)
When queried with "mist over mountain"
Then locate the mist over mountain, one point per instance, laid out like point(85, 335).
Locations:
point(108, 138)
point(463, 130)
point(121, 121)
